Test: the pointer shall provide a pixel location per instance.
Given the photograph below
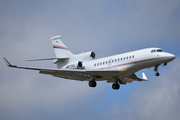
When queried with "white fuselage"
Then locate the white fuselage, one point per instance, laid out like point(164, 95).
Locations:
point(129, 62)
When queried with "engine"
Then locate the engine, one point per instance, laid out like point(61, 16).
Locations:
point(77, 65)
point(80, 65)
point(85, 56)
point(77, 60)
point(93, 55)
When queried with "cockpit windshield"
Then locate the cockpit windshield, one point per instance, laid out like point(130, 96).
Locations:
point(160, 50)
point(157, 50)
point(153, 51)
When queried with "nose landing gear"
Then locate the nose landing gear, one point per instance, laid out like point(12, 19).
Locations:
point(156, 70)
point(157, 74)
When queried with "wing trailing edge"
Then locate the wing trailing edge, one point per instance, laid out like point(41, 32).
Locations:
point(49, 59)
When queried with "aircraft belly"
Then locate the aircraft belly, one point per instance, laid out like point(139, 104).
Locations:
point(124, 71)
point(146, 64)
point(127, 69)
point(163, 60)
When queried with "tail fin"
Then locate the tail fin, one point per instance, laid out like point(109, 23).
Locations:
point(61, 51)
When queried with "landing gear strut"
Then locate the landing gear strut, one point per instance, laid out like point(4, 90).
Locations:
point(156, 70)
point(92, 83)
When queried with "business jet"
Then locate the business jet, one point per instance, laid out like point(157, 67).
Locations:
point(117, 69)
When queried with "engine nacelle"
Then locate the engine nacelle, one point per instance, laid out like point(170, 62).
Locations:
point(86, 56)
point(77, 65)
point(80, 65)
point(93, 55)
point(76, 62)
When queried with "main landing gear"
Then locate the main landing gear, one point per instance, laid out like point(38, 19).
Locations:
point(92, 83)
point(115, 86)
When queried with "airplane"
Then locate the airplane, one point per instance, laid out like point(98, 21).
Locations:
point(116, 69)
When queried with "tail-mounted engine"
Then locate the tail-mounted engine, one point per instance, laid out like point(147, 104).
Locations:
point(86, 56)
point(77, 65)
point(93, 55)
point(80, 65)
point(80, 58)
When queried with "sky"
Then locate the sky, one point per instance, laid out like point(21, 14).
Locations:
point(103, 26)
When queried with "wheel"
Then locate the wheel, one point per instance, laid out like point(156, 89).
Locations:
point(157, 74)
point(92, 83)
point(115, 86)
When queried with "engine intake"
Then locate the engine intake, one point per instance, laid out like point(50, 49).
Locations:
point(80, 65)
point(93, 55)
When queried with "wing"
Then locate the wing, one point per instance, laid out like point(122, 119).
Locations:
point(75, 74)
point(79, 74)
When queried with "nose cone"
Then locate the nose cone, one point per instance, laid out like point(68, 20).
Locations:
point(171, 57)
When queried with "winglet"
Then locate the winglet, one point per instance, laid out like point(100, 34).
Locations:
point(8, 63)
point(144, 76)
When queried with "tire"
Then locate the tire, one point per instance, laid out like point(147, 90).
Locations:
point(115, 86)
point(92, 83)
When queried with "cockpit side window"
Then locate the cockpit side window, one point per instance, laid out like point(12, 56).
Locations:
point(153, 51)
point(160, 50)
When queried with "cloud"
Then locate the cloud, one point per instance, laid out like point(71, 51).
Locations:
point(158, 99)
point(41, 97)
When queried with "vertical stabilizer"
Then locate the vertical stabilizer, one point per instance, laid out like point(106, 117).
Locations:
point(61, 51)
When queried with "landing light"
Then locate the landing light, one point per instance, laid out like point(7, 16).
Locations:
point(124, 69)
